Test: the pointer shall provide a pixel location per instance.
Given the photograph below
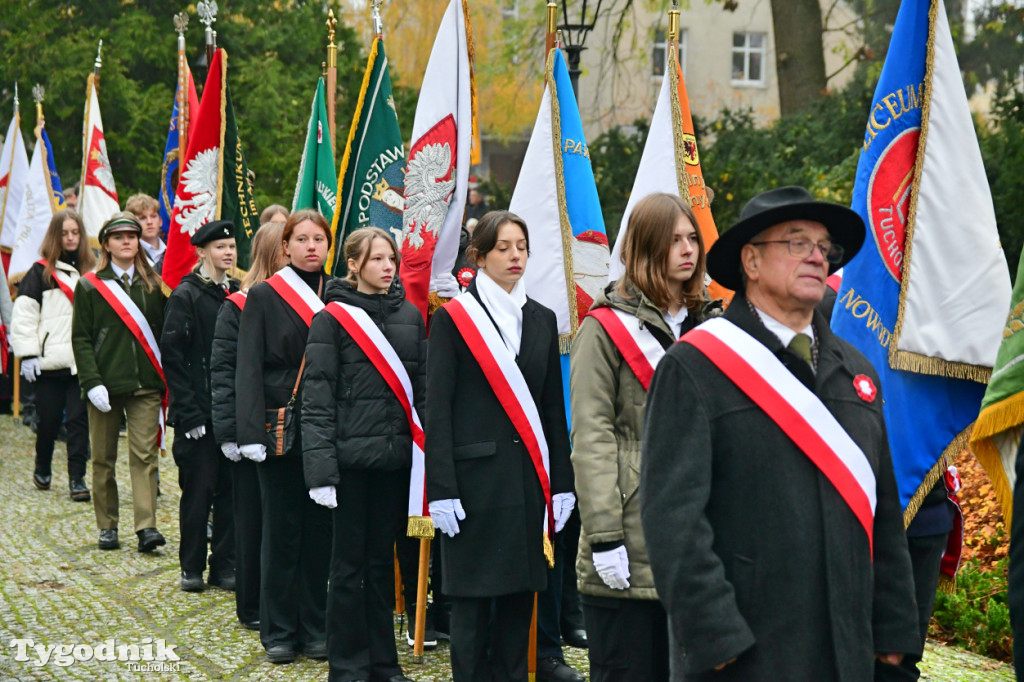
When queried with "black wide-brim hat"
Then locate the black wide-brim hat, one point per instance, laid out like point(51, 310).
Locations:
point(212, 231)
point(778, 206)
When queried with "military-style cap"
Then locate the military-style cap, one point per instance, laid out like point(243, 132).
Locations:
point(218, 229)
point(120, 222)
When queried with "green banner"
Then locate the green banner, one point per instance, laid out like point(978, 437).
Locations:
point(372, 177)
point(317, 187)
point(237, 204)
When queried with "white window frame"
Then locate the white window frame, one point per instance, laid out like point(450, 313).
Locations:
point(662, 46)
point(746, 50)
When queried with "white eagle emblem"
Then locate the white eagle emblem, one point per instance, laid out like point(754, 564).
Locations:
point(200, 178)
point(102, 170)
point(426, 195)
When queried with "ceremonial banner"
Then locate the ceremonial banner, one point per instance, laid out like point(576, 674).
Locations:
point(13, 176)
point(437, 180)
point(372, 177)
point(43, 197)
point(557, 197)
point(317, 187)
point(921, 190)
point(215, 184)
point(997, 432)
point(671, 164)
point(97, 199)
point(171, 165)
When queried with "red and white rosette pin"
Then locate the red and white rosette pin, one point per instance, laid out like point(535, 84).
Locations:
point(465, 276)
point(865, 388)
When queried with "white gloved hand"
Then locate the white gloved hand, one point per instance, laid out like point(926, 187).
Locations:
point(30, 369)
point(562, 505)
point(325, 495)
point(98, 396)
point(257, 452)
point(613, 567)
point(446, 515)
point(230, 451)
point(196, 433)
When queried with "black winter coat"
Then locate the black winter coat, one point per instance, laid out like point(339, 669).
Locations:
point(755, 554)
point(351, 418)
point(185, 345)
point(271, 342)
point(223, 358)
point(474, 453)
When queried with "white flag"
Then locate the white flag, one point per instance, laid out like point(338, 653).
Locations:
point(37, 209)
point(13, 175)
point(98, 199)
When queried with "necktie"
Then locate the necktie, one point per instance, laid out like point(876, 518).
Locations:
point(126, 280)
point(801, 345)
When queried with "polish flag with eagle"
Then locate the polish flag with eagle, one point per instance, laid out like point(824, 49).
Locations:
point(98, 198)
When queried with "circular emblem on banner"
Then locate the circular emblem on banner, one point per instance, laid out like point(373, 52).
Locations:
point(865, 388)
point(889, 199)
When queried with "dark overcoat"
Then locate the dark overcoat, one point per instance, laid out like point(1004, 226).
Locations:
point(755, 554)
point(271, 343)
point(223, 357)
point(474, 453)
point(351, 419)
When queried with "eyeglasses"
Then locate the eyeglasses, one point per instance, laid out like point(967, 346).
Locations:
point(801, 248)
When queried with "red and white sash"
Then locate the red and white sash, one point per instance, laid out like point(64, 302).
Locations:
point(795, 409)
point(296, 293)
point(118, 299)
point(378, 349)
point(509, 385)
point(62, 280)
point(641, 351)
point(238, 298)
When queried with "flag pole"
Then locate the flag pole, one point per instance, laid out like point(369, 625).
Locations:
point(552, 27)
point(207, 11)
point(10, 169)
point(673, 27)
point(180, 26)
point(421, 601)
point(332, 78)
point(92, 85)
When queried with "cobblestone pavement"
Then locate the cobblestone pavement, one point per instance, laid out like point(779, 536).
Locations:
point(57, 588)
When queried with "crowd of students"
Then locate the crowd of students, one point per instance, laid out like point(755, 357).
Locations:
point(296, 399)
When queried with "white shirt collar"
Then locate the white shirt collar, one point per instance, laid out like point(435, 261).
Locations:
point(153, 252)
point(118, 271)
point(675, 322)
point(780, 330)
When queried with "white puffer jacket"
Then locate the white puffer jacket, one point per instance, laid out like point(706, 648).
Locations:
point(42, 319)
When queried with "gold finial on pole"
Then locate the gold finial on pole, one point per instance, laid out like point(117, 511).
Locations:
point(38, 95)
point(551, 27)
point(332, 49)
point(330, 71)
point(673, 22)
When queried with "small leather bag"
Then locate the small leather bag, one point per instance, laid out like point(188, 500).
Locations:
point(282, 423)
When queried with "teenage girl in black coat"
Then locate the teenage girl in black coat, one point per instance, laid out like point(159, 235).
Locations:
point(357, 449)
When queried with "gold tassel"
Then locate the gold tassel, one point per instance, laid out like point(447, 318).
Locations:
point(549, 551)
point(434, 301)
point(947, 585)
point(420, 527)
point(948, 455)
point(999, 417)
point(924, 364)
point(987, 454)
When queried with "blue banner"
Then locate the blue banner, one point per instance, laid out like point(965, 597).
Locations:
point(51, 166)
point(169, 173)
point(924, 414)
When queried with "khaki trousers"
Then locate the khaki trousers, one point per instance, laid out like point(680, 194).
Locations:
point(142, 413)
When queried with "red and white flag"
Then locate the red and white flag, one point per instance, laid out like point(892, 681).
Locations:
point(98, 199)
point(13, 176)
point(198, 191)
point(437, 179)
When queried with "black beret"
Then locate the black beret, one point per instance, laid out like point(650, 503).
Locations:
point(218, 229)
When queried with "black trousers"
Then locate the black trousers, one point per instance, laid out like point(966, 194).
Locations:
point(58, 398)
point(571, 617)
point(925, 559)
point(248, 515)
point(1015, 576)
point(490, 637)
point(628, 639)
point(549, 606)
point(205, 481)
point(294, 557)
point(361, 597)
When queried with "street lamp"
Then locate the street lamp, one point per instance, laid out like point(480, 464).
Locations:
point(575, 34)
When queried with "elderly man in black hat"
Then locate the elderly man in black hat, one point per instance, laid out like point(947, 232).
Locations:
point(203, 473)
point(768, 498)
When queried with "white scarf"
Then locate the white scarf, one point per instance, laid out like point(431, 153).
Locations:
point(505, 307)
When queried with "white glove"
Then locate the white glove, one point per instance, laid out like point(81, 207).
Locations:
point(256, 452)
point(446, 515)
point(325, 495)
point(30, 369)
point(196, 433)
point(613, 567)
point(562, 505)
point(230, 451)
point(98, 396)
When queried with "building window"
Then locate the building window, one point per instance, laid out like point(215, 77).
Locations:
point(660, 49)
point(748, 52)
